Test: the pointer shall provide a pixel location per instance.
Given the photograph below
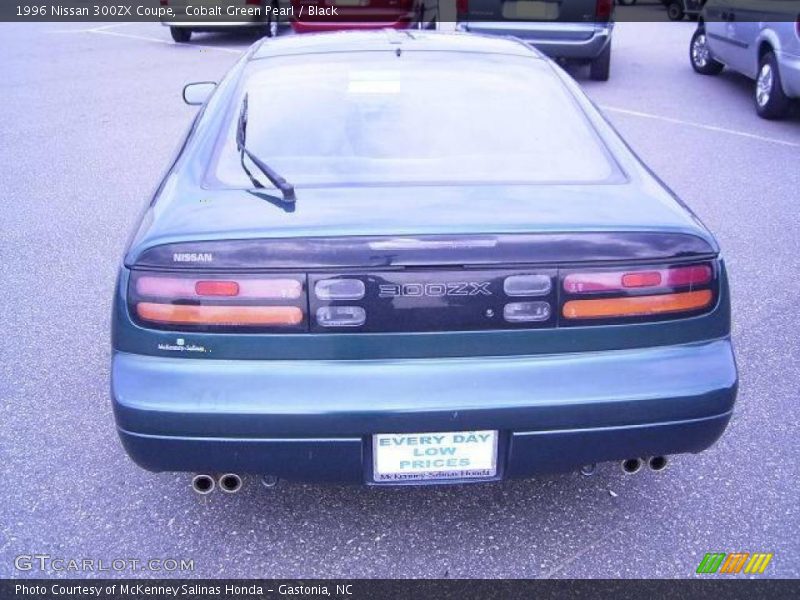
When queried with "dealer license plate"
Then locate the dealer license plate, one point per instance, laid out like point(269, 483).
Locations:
point(434, 456)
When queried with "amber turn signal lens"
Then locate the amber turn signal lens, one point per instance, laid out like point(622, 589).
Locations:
point(181, 314)
point(636, 305)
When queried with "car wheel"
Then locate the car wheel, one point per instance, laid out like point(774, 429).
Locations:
point(700, 55)
point(771, 101)
point(675, 11)
point(180, 34)
point(600, 67)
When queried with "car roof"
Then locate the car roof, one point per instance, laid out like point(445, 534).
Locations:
point(392, 39)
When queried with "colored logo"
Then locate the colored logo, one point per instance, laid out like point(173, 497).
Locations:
point(735, 562)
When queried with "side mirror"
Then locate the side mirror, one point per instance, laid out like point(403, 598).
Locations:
point(196, 94)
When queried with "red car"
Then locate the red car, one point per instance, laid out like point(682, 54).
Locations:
point(331, 15)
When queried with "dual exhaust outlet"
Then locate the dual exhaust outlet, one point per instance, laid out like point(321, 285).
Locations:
point(631, 466)
point(230, 483)
point(203, 484)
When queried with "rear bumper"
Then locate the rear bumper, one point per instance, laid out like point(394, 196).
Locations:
point(312, 420)
point(558, 40)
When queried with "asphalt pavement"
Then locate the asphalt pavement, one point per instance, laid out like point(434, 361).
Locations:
point(90, 115)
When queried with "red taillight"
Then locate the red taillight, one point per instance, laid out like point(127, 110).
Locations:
point(216, 288)
point(603, 10)
point(643, 279)
point(639, 292)
point(462, 6)
point(255, 302)
point(189, 288)
point(253, 2)
point(607, 281)
point(694, 275)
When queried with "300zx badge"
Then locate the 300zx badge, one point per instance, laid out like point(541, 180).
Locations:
point(460, 288)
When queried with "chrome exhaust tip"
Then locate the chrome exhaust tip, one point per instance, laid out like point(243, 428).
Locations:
point(631, 466)
point(203, 484)
point(230, 483)
point(657, 463)
point(589, 470)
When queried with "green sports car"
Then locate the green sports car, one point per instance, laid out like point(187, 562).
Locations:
point(407, 257)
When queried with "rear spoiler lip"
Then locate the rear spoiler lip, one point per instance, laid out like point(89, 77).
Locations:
point(420, 251)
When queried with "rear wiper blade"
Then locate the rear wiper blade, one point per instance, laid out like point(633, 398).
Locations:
point(286, 188)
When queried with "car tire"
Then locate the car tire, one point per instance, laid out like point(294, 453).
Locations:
point(771, 101)
point(675, 11)
point(700, 55)
point(600, 67)
point(180, 34)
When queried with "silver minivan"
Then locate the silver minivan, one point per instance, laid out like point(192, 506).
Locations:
point(737, 34)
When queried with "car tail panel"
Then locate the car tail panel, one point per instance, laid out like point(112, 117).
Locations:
point(422, 284)
point(439, 300)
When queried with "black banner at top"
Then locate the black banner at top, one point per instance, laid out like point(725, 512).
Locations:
point(400, 13)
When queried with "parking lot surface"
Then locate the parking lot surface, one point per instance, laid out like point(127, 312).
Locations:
point(91, 116)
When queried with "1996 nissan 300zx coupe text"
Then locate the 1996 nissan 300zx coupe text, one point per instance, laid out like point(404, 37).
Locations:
point(388, 257)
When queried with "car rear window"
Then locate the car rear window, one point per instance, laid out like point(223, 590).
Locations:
point(418, 118)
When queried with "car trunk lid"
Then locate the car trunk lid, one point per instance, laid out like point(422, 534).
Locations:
point(203, 216)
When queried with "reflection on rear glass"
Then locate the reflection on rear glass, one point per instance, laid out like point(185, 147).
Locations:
point(423, 117)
